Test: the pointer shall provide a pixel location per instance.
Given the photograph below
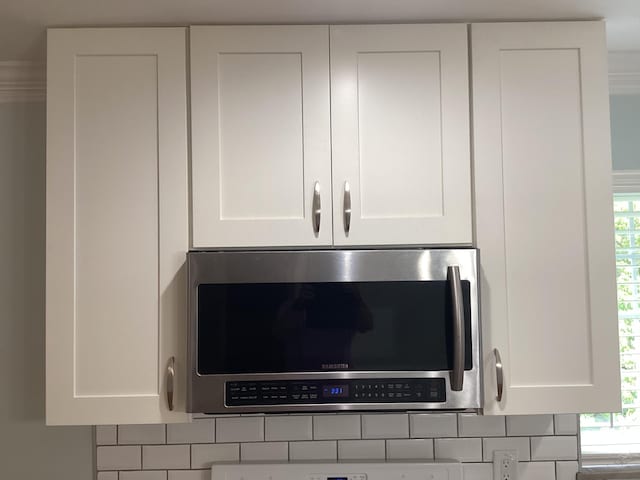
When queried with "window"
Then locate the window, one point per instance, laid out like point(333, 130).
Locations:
point(607, 435)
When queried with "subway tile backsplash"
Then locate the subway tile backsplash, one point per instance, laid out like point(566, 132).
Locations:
point(547, 445)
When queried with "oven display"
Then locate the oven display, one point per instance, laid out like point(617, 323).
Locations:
point(335, 391)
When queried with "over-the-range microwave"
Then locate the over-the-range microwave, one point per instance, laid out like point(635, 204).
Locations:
point(327, 330)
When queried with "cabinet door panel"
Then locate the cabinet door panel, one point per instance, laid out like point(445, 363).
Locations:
point(544, 221)
point(400, 133)
point(117, 224)
point(260, 135)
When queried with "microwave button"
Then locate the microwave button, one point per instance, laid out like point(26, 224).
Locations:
point(296, 396)
point(313, 396)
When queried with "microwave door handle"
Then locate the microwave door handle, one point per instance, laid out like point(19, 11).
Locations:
point(457, 374)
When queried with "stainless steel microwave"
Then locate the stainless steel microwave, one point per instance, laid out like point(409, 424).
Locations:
point(326, 330)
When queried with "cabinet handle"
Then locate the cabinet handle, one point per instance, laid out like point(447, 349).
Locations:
point(457, 373)
point(499, 374)
point(171, 374)
point(347, 207)
point(317, 208)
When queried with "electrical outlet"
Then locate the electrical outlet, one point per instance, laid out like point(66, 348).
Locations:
point(505, 465)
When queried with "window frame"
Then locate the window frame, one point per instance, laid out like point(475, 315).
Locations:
point(600, 465)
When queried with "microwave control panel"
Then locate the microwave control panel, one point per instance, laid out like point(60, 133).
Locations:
point(313, 392)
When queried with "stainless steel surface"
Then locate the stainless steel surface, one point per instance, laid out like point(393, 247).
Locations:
point(171, 374)
point(614, 471)
point(317, 208)
point(499, 374)
point(457, 377)
point(347, 208)
point(205, 393)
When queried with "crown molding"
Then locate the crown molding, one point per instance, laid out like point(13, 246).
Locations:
point(22, 81)
point(624, 73)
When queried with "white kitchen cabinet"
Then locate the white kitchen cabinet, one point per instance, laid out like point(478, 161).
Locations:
point(117, 224)
point(400, 134)
point(260, 136)
point(262, 140)
point(543, 217)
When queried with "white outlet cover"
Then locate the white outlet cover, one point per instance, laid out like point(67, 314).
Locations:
point(339, 471)
point(505, 465)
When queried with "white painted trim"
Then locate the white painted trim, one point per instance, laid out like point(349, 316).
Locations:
point(624, 73)
point(22, 81)
point(26, 81)
point(626, 181)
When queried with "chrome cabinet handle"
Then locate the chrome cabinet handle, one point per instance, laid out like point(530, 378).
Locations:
point(457, 373)
point(171, 374)
point(499, 374)
point(347, 207)
point(316, 208)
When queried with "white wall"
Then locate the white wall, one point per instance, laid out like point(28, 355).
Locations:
point(625, 131)
point(28, 449)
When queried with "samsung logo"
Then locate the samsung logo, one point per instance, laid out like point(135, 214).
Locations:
point(335, 366)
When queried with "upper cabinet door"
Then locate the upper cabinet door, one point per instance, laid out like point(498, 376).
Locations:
point(544, 221)
point(261, 156)
point(400, 133)
point(117, 225)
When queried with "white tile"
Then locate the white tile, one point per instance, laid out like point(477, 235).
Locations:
point(118, 458)
point(472, 425)
point(107, 476)
point(554, 448)
point(156, 457)
point(264, 452)
point(389, 425)
point(566, 424)
point(198, 431)
point(326, 450)
point(415, 449)
point(240, 429)
point(536, 471)
point(361, 450)
point(524, 425)
point(477, 471)
point(336, 427)
point(462, 449)
point(433, 425)
point(290, 427)
point(202, 456)
point(143, 475)
point(190, 475)
point(566, 470)
point(106, 435)
point(521, 444)
point(141, 434)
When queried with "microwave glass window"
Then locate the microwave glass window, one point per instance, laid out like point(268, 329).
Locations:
point(308, 327)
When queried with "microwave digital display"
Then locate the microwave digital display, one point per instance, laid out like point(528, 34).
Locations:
point(335, 391)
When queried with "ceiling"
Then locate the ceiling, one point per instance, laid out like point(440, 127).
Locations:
point(23, 22)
